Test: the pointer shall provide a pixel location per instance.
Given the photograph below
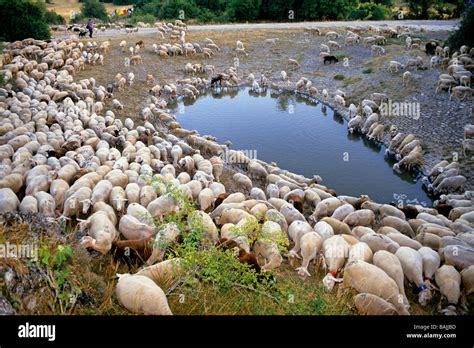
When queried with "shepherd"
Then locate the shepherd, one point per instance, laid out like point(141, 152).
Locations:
point(90, 26)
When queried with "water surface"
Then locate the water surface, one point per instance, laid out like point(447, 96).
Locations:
point(304, 137)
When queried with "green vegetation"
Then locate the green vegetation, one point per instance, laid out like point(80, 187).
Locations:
point(371, 11)
point(22, 19)
point(339, 77)
point(93, 9)
point(55, 261)
point(463, 36)
point(423, 9)
point(367, 71)
point(289, 10)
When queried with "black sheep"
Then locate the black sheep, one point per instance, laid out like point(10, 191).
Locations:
point(430, 48)
point(330, 59)
point(216, 80)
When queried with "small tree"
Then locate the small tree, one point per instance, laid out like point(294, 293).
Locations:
point(463, 36)
point(22, 19)
point(94, 8)
point(244, 10)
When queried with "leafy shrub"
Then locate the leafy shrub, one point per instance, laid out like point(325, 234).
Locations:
point(370, 11)
point(56, 265)
point(221, 268)
point(52, 17)
point(367, 71)
point(22, 19)
point(339, 77)
point(463, 36)
point(326, 9)
point(244, 10)
point(94, 9)
point(145, 18)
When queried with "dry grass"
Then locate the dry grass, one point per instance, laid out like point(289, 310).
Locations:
point(64, 7)
point(95, 276)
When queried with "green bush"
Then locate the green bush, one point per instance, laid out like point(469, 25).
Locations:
point(145, 18)
point(326, 9)
point(94, 9)
point(370, 11)
point(339, 77)
point(463, 36)
point(22, 19)
point(52, 17)
point(177, 9)
point(244, 10)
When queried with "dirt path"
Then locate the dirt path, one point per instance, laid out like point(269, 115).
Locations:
point(428, 25)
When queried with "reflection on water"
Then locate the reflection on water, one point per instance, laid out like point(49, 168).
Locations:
point(303, 136)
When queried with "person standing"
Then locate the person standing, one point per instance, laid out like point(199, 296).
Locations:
point(90, 27)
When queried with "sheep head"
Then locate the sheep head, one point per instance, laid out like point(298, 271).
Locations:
point(424, 295)
point(330, 280)
point(86, 204)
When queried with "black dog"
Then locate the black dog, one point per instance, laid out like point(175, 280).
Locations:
point(82, 33)
point(330, 59)
point(430, 48)
point(216, 80)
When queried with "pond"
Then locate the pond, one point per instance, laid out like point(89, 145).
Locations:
point(302, 136)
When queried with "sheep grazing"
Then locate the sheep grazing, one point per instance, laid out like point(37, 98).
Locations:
point(335, 251)
point(395, 66)
point(123, 45)
point(449, 281)
point(266, 249)
point(136, 59)
point(102, 232)
point(310, 246)
point(367, 278)
point(8, 201)
point(294, 63)
point(140, 294)
point(407, 77)
point(330, 59)
point(390, 263)
point(412, 264)
point(377, 50)
point(369, 304)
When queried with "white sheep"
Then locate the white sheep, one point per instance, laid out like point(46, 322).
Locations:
point(311, 243)
point(140, 294)
point(367, 278)
point(102, 232)
point(412, 264)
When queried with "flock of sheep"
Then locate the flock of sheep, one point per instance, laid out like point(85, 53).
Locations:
point(66, 155)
